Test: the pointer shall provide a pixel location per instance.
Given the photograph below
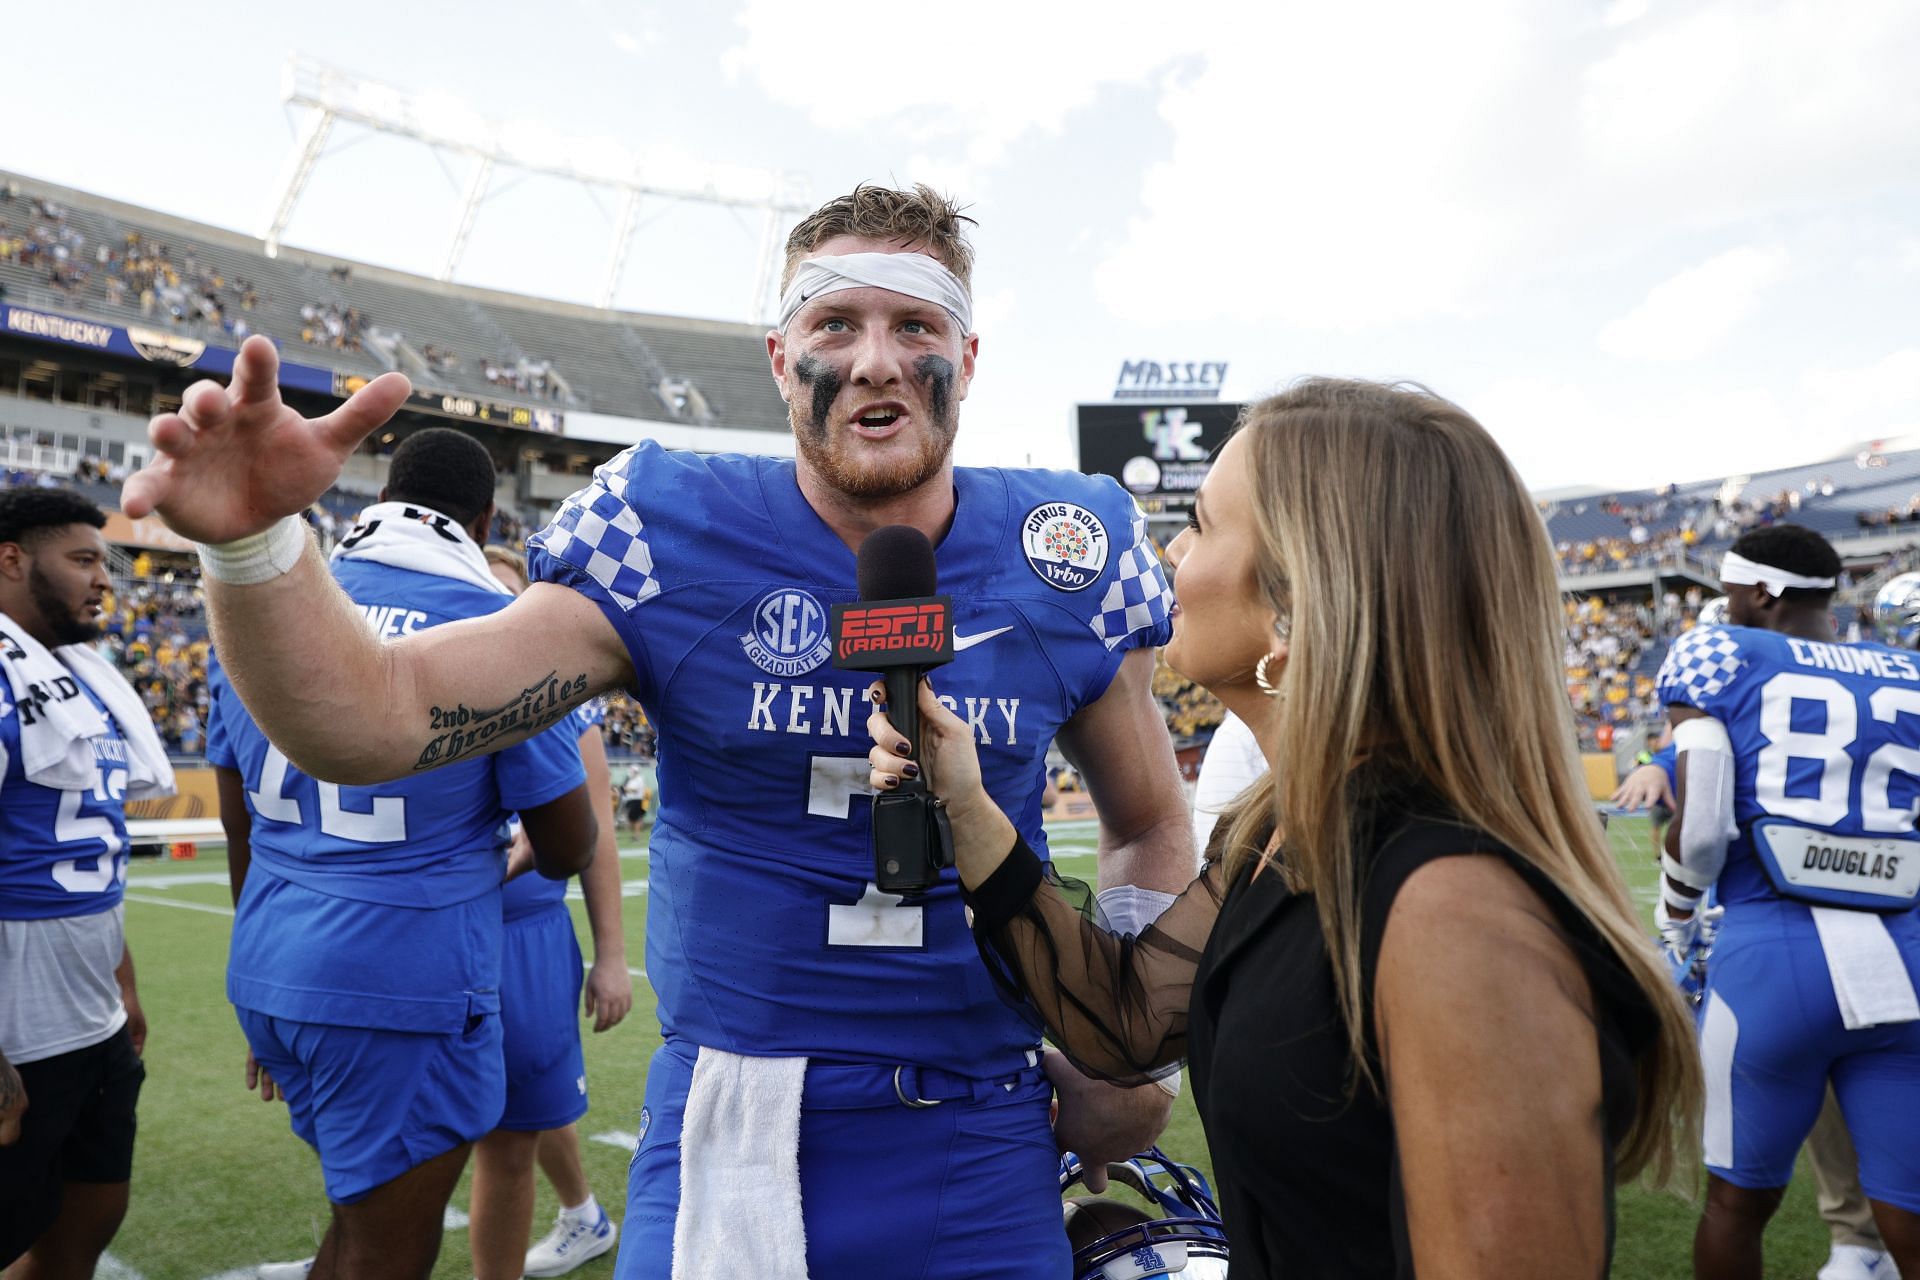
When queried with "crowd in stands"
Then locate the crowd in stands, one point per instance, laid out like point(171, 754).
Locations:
point(1190, 710)
point(328, 324)
point(528, 377)
point(174, 286)
point(1665, 527)
point(178, 289)
point(153, 626)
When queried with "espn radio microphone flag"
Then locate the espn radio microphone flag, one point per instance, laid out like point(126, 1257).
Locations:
point(901, 627)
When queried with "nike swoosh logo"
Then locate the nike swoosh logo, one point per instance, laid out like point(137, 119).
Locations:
point(967, 642)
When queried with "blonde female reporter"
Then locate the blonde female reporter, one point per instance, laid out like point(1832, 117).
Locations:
point(1425, 1029)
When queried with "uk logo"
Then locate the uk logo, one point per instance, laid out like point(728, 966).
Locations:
point(1065, 544)
point(787, 633)
point(1148, 1259)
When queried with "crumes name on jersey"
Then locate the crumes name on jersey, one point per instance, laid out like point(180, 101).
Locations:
point(1853, 862)
point(1853, 659)
point(830, 712)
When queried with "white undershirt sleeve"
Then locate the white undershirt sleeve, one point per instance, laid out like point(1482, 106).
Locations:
point(1706, 816)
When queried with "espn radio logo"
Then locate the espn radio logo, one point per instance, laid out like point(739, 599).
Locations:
point(869, 636)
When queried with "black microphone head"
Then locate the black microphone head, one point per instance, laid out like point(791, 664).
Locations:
point(896, 563)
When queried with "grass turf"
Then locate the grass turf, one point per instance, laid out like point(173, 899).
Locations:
point(220, 1184)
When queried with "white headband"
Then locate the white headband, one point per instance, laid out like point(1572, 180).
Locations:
point(1737, 570)
point(914, 274)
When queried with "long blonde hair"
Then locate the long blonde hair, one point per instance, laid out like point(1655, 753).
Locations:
point(1426, 629)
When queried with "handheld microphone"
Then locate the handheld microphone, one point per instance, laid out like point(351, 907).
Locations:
point(901, 628)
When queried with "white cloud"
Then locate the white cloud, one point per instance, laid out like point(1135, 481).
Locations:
point(1868, 401)
point(973, 80)
point(1622, 12)
point(1559, 432)
point(1690, 314)
point(627, 42)
point(1323, 173)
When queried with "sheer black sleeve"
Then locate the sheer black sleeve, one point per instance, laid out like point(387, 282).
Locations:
point(1115, 1004)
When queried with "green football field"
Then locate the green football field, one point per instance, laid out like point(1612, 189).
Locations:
point(220, 1184)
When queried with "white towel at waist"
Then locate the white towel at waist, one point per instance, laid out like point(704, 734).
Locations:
point(1870, 978)
point(740, 1171)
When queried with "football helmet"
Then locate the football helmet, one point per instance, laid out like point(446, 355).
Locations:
point(1180, 1236)
point(1713, 613)
point(1896, 610)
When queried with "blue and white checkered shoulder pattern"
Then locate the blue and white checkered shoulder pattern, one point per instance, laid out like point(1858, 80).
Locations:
point(1701, 664)
point(1138, 596)
point(599, 533)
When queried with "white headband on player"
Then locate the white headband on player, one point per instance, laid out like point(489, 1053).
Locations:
point(1737, 570)
point(914, 274)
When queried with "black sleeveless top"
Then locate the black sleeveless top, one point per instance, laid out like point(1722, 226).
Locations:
point(1305, 1158)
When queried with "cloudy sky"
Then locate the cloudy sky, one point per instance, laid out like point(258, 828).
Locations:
point(1642, 240)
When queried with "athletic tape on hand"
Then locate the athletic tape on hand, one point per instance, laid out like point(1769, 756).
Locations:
point(249, 561)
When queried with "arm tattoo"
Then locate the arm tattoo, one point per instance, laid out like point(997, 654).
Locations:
point(462, 731)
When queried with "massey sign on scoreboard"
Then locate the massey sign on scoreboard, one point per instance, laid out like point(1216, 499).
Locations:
point(1160, 452)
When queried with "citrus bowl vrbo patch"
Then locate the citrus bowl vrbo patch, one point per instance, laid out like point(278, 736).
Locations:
point(1065, 544)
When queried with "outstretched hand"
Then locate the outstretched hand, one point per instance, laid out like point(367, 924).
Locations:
point(236, 459)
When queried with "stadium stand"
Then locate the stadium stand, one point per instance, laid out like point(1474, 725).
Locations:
point(1631, 529)
point(70, 251)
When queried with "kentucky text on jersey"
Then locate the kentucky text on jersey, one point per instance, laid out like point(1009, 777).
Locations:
point(765, 934)
point(831, 712)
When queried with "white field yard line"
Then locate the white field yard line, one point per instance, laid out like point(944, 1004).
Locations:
point(612, 1138)
point(184, 906)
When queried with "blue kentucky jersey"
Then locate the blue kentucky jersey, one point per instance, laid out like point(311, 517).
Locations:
point(62, 853)
point(765, 934)
point(525, 894)
point(1826, 746)
point(393, 890)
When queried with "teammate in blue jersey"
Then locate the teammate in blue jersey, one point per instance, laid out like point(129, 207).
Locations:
point(1798, 790)
point(541, 995)
point(75, 745)
point(365, 964)
point(816, 1031)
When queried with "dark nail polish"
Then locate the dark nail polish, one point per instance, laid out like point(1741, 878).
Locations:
point(892, 782)
point(910, 770)
point(903, 748)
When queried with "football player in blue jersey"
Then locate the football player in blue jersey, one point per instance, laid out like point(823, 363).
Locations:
point(367, 937)
point(1798, 788)
point(541, 986)
point(815, 1029)
point(75, 744)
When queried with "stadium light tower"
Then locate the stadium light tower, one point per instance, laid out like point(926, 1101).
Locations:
point(329, 95)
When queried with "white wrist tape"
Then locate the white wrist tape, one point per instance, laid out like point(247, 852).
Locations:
point(1678, 899)
point(246, 562)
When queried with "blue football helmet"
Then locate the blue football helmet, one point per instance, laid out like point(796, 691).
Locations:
point(1713, 613)
point(1182, 1236)
point(1896, 610)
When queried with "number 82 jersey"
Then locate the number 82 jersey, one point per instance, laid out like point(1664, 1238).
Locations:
point(1826, 749)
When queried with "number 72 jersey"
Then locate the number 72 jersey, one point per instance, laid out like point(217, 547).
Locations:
point(1826, 748)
